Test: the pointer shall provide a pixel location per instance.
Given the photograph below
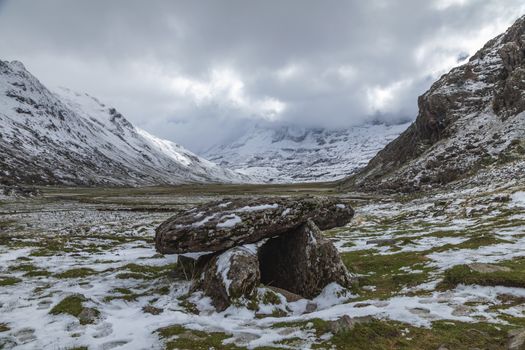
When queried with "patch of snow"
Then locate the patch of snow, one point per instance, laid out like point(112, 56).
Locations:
point(204, 221)
point(230, 221)
point(257, 208)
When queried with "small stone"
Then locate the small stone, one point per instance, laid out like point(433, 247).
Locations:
point(189, 268)
point(381, 241)
point(462, 310)
point(152, 310)
point(487, 268)
point(88, 315)
point(346, 323)
point(310, 307)
point(289, 296)
point(442, 347)
point(341, 325)
point(516, 339)
point(419, 311)
point(360, 305)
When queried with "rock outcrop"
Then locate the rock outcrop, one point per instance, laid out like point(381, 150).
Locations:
point(221, 225)
point(302, 262)
point(468, 119)
point(274, 241)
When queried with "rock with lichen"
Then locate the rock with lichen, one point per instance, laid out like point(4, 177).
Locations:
point(225, 224)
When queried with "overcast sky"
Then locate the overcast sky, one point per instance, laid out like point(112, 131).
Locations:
point(199, 72)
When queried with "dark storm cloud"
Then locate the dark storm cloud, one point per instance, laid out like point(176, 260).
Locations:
point(198, 72)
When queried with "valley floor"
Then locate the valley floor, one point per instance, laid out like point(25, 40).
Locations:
point(78, 270)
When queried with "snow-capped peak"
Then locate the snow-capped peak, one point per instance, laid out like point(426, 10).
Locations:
point(66, 137)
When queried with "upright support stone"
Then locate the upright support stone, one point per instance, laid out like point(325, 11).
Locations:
point(230, 275)
point(302, 262)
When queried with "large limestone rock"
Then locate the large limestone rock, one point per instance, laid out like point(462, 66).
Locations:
point(230, 275)
point(272, 240)
point(221, 225)
point(302, 262)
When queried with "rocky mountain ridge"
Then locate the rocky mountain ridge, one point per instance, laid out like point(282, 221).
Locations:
point(294, 154)
point(65, 137)
point(470, 119)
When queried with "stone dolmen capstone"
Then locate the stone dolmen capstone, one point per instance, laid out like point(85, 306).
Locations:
point(272, 240)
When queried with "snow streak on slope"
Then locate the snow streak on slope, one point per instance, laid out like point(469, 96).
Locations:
point(72, 138)
point(290, 154)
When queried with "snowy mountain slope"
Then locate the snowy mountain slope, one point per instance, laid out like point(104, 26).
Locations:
point(292, 154)
point(71, 138)
point(471, 118)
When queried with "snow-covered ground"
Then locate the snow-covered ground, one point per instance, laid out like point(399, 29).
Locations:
point(102, 249)
point(292, 154)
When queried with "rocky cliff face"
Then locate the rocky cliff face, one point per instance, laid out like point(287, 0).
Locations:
point(66, 137)
point(470, 118)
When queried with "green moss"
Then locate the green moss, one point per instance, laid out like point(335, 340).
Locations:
point(381, 335)
point(132, 275)
point(37, 273)
point(23, 258)
point(9, 281)
point(189, 306)
point(384, 271)
point(128, 295)
point(194, 340)
point(146, 272)
point(270, 297)
point(4, 224)
point(71, 305)
point(480, 241)
point(462, 274)
point(76, 273)
point(23, 267)
point(389, 335)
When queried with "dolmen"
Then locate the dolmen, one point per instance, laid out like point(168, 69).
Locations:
point(242, 243)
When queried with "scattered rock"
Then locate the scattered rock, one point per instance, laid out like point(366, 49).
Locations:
point(381, 241)
point(189, 268)
point(219, 225)
point(341, 325)
point(310, 307)
point(442, 347)
point(346, 323)
point(88, 315)
point(516, 339)
point(289, 296)
point(359, 305)
point(487, 268)
point(152, 310)
point(302, 262)
point(420, 311)
point(462, 310)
